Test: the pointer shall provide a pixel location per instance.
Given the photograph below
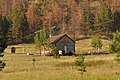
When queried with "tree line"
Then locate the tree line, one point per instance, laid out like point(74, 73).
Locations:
point(73, 17)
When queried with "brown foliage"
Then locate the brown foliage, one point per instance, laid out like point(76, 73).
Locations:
point(31, 17)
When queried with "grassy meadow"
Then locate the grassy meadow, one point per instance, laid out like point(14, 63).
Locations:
point(85, 45)
point(81, 45)
point(20, 66)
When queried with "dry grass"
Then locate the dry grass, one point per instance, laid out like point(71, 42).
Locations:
point(85, 45)
point(82, 45)
point(20, 67)
point(20, 48)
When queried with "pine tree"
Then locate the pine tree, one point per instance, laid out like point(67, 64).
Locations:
point(98, 24)
point(103, 20)
point(24, 28)
point(88, 22)
point(116, 22)
point(19, 24)
point(4, 26)
point(80, 61)
point(39, 8)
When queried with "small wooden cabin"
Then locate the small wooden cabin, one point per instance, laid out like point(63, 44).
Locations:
point(63, 42)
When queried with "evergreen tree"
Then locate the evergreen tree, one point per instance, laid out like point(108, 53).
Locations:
point(116, 22)
point(43, 7)
point(39, 8)
point(88, 22)
point(103, 20)
point(80, 61)
point(24, 28)
point(98, 24)
point(19, 24)
point(4, 26)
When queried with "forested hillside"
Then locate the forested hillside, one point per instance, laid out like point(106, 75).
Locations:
point(74, 17)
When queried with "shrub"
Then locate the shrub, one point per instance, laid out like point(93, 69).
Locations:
point(2, 65)
point(79, 61)
point(118, 58)
point(96, 43)
point(115, 44)
point(33, 60)
point(55, 52)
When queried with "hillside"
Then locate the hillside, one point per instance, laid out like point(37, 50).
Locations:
point(85, 45)
point(81, 45)
point(23, 18)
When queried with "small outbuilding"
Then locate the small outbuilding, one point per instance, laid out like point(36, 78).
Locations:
point(13, 50)
point(64, 43)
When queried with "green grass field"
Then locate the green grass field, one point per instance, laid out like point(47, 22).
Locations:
point(20, 66)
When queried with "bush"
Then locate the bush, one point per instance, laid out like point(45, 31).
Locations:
point(79, 61)
point(115, 45)
point(96, 43)
point(2, 64)
point(33, 62)
point(55, 52)
point(118, 58)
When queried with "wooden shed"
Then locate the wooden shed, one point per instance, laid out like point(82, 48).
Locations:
point(64, 43)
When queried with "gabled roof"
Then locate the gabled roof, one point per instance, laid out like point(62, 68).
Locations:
point(54, 39)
